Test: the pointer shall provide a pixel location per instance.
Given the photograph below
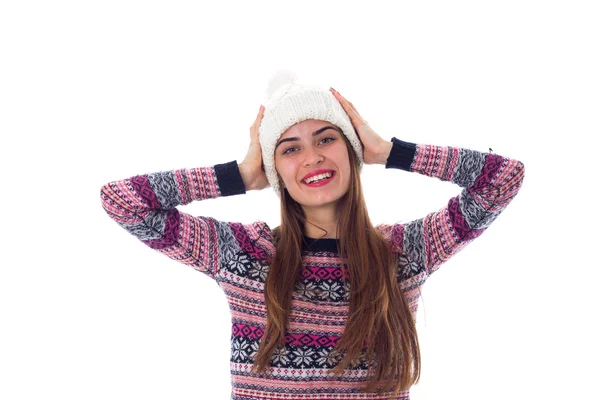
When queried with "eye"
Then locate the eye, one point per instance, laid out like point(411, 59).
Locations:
point(287, 151)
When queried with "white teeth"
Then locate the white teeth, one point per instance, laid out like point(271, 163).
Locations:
point(317, 177)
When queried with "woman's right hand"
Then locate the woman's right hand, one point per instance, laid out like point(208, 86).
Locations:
point(251, 168)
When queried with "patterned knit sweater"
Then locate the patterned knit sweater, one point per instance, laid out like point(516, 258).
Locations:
point(237, 256)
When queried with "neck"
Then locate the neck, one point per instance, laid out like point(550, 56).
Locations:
point(319, 219)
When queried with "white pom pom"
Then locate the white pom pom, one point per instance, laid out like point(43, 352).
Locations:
point(280, 78)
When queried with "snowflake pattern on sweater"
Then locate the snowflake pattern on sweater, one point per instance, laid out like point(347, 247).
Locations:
point(237, 256)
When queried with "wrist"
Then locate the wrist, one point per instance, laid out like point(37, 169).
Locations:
point(384, 152)
point(245, 176)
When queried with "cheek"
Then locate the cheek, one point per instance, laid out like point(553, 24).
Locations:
point(287, 171)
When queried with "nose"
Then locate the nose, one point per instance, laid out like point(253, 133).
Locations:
point(312, 156)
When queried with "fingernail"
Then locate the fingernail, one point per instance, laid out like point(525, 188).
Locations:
point(333, 89)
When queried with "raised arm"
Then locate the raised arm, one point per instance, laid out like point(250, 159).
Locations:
point(490, 182)
point(145, 206)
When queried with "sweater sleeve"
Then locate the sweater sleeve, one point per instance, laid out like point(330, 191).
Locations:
point(489, 183)
point(145, 206)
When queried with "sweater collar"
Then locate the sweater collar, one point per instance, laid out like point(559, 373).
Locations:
point(324, 244)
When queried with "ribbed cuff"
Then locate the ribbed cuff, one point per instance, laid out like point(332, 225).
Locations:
point(229, 179)
point(402, 154)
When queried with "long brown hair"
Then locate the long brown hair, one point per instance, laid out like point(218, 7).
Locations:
point(377, 307)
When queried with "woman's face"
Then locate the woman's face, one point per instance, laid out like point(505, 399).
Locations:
point(309, 146)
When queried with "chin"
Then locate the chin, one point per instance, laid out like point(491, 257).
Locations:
point(315, 201)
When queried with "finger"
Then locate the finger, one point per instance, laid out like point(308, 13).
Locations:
point(338, 96)
point(349, 103)
point(358, 116)
point(345, 103)
point(351, 106)
point(348, 106)
point(260, 113)
point(259, 116)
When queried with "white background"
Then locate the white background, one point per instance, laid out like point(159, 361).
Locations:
point(93, 92)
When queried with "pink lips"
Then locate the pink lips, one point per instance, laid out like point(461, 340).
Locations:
point(321, 183)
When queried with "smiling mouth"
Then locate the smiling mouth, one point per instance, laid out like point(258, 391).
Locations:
point(320, 182)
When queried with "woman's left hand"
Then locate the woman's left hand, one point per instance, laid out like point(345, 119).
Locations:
point(375, 148)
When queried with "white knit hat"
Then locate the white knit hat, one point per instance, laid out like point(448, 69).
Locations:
point(288, 103)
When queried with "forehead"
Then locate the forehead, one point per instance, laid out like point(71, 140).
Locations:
point(305, 128)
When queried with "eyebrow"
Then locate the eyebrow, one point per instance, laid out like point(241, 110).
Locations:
point(315, 133)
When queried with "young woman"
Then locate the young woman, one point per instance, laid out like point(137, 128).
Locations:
point(324, 304)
